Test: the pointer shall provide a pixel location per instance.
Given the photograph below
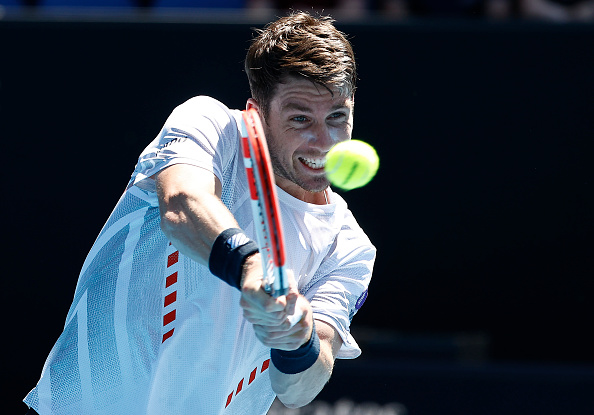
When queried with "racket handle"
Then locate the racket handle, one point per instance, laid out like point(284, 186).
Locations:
point(280, 281)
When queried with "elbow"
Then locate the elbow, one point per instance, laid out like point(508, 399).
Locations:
point(173, 218)
point(173, 202)
point(170, 223)
point(293, 402)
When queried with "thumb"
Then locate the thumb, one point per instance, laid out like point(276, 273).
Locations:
point(293, 293)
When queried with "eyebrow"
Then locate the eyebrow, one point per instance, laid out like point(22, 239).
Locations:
point(298, 107)
point(294, 106)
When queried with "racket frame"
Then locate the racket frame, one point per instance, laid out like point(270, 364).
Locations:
point(264, 203)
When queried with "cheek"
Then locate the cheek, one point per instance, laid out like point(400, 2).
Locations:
point(341, 134)
point(279, 150)
point(294, 140)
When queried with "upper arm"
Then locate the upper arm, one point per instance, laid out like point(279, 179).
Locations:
point(180, 179)
point(192, 213)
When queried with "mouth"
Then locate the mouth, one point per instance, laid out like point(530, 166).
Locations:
point(316, 163)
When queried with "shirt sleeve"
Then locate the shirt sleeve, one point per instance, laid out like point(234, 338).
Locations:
point(341, 285)
point(201, 132)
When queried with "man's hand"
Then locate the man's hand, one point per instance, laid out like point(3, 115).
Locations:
point(270, 319)
point(269, 315)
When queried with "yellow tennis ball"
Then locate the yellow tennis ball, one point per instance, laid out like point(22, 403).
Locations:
point(351, 164)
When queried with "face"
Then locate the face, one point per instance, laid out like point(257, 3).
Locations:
point(304, 121)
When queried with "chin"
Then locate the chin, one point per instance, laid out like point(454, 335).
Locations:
point(315, 186)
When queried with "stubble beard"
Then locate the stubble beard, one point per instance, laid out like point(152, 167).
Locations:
point(314, 185)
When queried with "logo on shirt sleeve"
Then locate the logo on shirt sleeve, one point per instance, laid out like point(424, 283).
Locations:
point(361, 300)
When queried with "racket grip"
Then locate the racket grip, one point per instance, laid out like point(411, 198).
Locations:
point(295, 318)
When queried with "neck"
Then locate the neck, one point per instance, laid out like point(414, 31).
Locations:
point(316, 198)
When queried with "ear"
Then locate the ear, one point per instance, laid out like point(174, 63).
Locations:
point(251, 103)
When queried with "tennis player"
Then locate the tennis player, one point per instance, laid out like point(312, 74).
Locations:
point(169, 314)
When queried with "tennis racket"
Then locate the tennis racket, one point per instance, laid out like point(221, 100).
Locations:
point(265, 206)
point(265, 209)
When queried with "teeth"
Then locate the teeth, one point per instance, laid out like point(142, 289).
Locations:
point(314, 163)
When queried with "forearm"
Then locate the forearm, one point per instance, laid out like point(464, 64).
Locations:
point(300, 389)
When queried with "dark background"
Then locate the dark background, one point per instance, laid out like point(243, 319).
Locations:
point(482, 209)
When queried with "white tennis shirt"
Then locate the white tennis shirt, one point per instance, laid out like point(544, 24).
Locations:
point(151, 331)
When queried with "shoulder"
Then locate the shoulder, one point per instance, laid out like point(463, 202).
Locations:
point(350, 228)
point(352, 246)
point(203, 102)
point(205, 107)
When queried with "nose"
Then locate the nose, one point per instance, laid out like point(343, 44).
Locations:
point(322, 138)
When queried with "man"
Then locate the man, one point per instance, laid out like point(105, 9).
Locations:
point(170, 316)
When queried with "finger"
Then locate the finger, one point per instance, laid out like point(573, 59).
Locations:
point(286, 339)
point(286, 329)
point(260, 300)
point(283, 343)
point(266, 319)
point(292, 295)
point(275, 304)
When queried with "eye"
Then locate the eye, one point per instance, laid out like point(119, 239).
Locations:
point(299, 118)
point(337, 116)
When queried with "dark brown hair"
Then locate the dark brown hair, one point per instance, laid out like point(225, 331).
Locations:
point(304, 45)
